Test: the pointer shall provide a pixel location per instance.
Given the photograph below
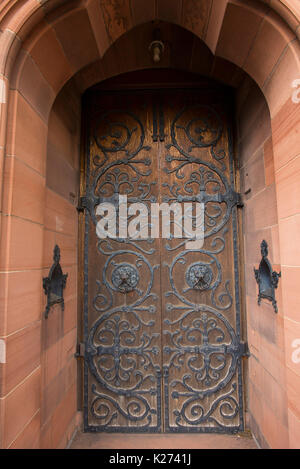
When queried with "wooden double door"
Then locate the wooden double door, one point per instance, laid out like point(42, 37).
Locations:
point(162, 328)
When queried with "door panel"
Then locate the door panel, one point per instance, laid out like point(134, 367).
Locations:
point(161, 322)
point(200, 294)
point(122, 282)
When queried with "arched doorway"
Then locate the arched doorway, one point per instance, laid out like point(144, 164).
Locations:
point(162, 328)
point(42, 383)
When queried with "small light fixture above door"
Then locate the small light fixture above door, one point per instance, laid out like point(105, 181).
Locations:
point(156, 47)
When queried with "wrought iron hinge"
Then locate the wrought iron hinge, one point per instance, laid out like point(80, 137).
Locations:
point(232, 198)
point(237, 199)
point(90, 201)
point(244, 349)
point(82, 204)
point(80, 350)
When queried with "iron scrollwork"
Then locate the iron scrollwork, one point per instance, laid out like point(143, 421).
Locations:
point(266, 278)
point(202, 343)
point(121, 347)
point(123, 373)
point(55, 283)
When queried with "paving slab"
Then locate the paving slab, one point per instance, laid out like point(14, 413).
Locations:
point(162, 441)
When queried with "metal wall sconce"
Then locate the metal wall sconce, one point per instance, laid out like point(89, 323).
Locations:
point(156, 47)
point(55, 283)
point(266, 278)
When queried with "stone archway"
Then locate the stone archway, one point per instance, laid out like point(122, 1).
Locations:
point(29, 84)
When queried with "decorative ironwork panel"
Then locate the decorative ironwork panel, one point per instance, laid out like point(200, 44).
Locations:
point(202, 347)
point(122, 313)
point(162, 332)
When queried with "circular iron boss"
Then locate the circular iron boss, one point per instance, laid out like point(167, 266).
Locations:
point(125, 277)
point(199, 276)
